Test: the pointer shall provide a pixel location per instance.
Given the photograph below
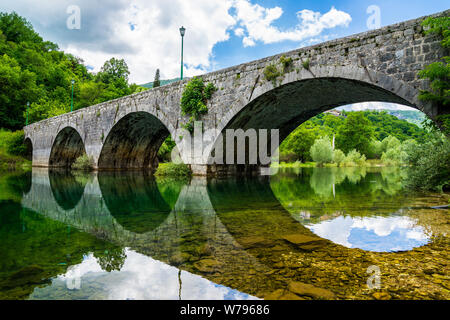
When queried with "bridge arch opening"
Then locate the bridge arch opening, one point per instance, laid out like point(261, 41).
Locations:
point(67, 147)
point(28, 149)
point(133, 143)
point(288, 106)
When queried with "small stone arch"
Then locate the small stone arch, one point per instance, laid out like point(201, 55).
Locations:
point(28, 149)
point(133, 142)
point(67, 147)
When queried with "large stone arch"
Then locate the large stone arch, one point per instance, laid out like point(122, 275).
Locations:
point(66, 148)
point(303, 94)
point(133, 142)
point(307, 93)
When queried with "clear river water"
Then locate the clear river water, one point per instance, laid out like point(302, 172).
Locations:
point(308, 233)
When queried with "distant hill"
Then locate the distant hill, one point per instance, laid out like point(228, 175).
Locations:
point(412, 116)
point(149, 85)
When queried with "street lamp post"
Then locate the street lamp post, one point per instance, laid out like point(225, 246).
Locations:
point(182, 33)
point(28, 106)
point(71, 103)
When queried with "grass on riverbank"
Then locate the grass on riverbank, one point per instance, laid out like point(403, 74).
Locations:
point(298, 164)
point(7, 160)
point(172, 170)
point(10, 162)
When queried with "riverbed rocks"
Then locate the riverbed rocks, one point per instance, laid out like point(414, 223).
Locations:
point(304, 289)
point(304, 242)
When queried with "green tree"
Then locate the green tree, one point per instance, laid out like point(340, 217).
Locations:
point(356, 133)
point(322, 151)
point(338, 157)
point(114, 71)
point(156, 82)
point(17, 87)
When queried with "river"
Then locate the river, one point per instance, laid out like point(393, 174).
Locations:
point(311, 233)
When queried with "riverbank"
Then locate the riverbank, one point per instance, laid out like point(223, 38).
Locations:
point(10, 162)
point(374, 163)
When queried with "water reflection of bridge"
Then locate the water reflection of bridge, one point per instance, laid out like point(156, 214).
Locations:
point(232, 232)
point(176, 224)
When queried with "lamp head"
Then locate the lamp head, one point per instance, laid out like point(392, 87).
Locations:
point(182, 31)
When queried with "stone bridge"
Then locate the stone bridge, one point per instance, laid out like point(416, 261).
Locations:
point(126, 133)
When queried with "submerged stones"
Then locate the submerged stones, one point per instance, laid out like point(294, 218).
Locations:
point(304, 242)
point(303, 289)
point(207, 265)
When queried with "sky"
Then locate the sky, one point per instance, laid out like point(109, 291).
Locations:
point(219, 33)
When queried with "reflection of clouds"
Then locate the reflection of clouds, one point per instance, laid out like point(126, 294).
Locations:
point(397, 233)
point(142, 277)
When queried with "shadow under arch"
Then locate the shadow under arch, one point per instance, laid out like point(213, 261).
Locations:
point(288, 106)
point(134, 200)
point(133, 142)
point(67, 147)
point(66, 188)
point(28, 149)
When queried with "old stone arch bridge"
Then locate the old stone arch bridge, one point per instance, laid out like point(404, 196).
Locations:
point(379, 65)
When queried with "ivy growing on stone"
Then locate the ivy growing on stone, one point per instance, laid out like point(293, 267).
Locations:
point(194, 99)
point(438, 73)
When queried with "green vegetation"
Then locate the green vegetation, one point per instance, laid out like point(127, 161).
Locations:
point(271, 73)
point(305, 64)
point(322, 151)
point(165, 150)
point(286, 63)
point(194, 99)
point(363, 131)
point(172, 170)
point(430, 165)
point(438, 72)
point(157, 81)
point(84, 163)
point(12, 151)
point(34, 70)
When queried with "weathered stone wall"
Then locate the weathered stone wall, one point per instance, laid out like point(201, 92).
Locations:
point(379, 65)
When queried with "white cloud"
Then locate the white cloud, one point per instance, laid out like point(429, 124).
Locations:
point(258, 23)
point(145, 32)
point(140, 278)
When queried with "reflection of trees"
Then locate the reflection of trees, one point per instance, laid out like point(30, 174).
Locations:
point(357, 191)
point(134, 200)
point(111, 259)
point(66, 189)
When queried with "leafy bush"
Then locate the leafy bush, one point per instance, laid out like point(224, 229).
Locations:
point(306, 64)
point(194, 99)
point(394, 156)
point(322, 151)
point(173, 170)
point(438, 73)
point(271, 73)
point(14, 143)
point(354, 158)
point(165, 149)
point(83, 162)
point(430, 168)
point(389, 142)
point(375, 149)
point(286, 63)
point(338, 157)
